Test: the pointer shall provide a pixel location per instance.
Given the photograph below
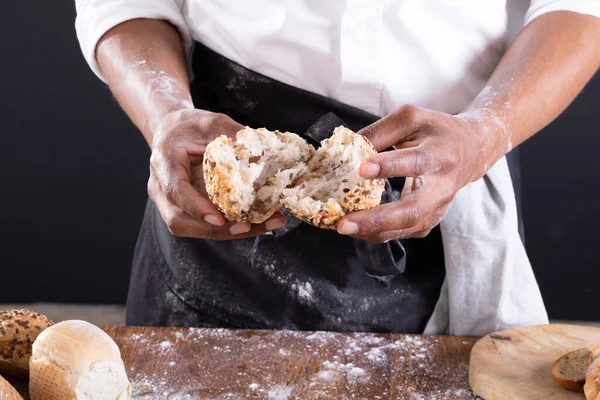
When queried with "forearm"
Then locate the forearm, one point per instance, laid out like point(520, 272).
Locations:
point(143, 62)
point(544, 69)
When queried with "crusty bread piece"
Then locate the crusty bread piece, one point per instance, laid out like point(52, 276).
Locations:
point(245, 178)
point(570, 369)
point(332, 187)
point(7, 391)
point(591, 388)
point(76, 360)
point(253, 177)
point(18, 331)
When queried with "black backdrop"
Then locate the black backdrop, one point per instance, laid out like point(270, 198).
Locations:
point(73, 175)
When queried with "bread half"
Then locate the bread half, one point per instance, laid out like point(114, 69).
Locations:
point(569, 370)
point(18, 331)
point(332, 186)
point(78, 361)
point(249, 179)
point(245, 178)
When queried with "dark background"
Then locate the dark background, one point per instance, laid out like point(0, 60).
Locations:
point(73, 174)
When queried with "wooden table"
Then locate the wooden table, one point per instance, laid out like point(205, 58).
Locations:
point(177, 363)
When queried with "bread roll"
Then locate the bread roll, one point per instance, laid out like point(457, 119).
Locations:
point(253, 177)
point(569, 370)
point(76, 360)
point(7, 391)
point(18, 331)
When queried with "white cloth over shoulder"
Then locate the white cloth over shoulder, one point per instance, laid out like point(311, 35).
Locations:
point(378, 55)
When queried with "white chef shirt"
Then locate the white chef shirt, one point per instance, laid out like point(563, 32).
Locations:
point(377, 55)
point(373, 54)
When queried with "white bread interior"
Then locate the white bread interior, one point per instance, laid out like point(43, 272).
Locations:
point(77, 360)
point(332, 174)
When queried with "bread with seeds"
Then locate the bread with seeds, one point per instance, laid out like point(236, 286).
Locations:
point(18, 331)
point(251, 178)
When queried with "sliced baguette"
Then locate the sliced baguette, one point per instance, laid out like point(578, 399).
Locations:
point(569, 371)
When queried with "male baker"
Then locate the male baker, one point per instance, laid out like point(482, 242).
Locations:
point(445, 90)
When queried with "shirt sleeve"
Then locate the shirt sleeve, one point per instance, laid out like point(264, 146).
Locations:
point(96, 17)
point(540, 7)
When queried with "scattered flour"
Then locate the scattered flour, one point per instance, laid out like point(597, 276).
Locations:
point(360, 359)
point(280, 393)
point(306, 292)
point(376, 355)
point(165, 345)
point(284, 352)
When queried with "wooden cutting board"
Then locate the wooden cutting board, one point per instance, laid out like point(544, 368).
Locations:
point(515, 364)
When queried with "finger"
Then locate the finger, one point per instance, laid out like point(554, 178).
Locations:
point(420, 230)
point(173, 176)
point(187, 227)
point(394, 127)
point(276, 221)
point(411, 184)
point(411, 162)
point(403, 214)
point(182, 225)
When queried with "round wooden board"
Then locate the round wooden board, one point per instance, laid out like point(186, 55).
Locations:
point(515, 363)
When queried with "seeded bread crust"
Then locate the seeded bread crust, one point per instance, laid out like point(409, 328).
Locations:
point(218, 172)
point(18, 331)
point(218, 183)
point(361, 197)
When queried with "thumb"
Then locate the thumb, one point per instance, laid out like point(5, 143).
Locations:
point(394, 127)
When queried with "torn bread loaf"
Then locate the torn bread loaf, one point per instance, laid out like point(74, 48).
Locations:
point(251, 178)
point(79, 361)
point(570, 369)
point(18, 331)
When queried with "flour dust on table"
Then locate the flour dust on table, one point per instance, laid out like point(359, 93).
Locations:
point(282, 365)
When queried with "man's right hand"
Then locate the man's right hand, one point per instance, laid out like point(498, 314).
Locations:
point(176, 183)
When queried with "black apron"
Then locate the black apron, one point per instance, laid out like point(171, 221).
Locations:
point(300, 277)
